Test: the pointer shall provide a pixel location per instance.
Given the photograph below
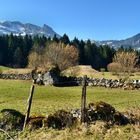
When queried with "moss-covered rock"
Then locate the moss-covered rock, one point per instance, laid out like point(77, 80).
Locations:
point(60, 119)
point(105, 112)
point(120, 119)
point(36, 122)
point(11, 119)
point(100, 111)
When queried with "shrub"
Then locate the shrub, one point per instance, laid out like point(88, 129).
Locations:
point(115, 68)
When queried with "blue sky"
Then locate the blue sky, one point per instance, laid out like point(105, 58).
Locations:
point(93, 19)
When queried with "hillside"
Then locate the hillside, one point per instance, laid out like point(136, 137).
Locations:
point(81, 70)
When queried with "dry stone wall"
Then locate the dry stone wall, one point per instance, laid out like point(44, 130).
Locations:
point(16, 76)
point(52, 79)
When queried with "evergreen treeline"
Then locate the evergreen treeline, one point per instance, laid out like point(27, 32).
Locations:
point(14, 50)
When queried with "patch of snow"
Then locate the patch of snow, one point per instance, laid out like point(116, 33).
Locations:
point(22, 29)
point(2, 27)
point(31, 33)
point(138, 48)
point(108, 43)
point(23, 34)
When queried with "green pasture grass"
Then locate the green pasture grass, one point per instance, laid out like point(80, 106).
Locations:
point(109, 75)
point(2, 68)
point(46, 100)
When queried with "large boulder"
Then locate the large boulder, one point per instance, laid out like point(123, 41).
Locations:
point(51, 77)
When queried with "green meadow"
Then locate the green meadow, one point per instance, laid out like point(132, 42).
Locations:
point(14, 95)
point(46, 100)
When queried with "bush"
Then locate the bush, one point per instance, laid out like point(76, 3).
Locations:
point(115, 68)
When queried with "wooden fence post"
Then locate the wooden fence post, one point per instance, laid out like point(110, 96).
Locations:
point(83, 100)
point(29, 106)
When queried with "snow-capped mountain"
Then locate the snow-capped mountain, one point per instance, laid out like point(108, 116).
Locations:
point(18, 28)
point(133, 41)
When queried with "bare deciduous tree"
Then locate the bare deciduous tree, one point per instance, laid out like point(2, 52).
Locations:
point(33, 60)
point(128, 60)
point(56, 54)
point(61, 55)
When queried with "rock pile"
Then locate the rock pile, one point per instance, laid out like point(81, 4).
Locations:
point(102, 111)
point(11, 120)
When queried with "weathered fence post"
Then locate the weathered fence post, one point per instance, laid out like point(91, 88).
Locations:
point(83, 100)
point(29, 106)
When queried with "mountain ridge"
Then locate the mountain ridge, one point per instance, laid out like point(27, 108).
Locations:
point(133, 41)
point(19, 28)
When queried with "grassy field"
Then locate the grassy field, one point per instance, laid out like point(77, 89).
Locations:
point(81, 70)
point(14, 95)
point(3, 68)
point(109, 75)
point(46, 100)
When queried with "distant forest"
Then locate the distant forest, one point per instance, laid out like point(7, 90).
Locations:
point(14, 50)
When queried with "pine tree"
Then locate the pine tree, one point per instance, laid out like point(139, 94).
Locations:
point(65, 39)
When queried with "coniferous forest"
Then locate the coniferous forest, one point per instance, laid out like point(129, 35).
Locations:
point(14, 50)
